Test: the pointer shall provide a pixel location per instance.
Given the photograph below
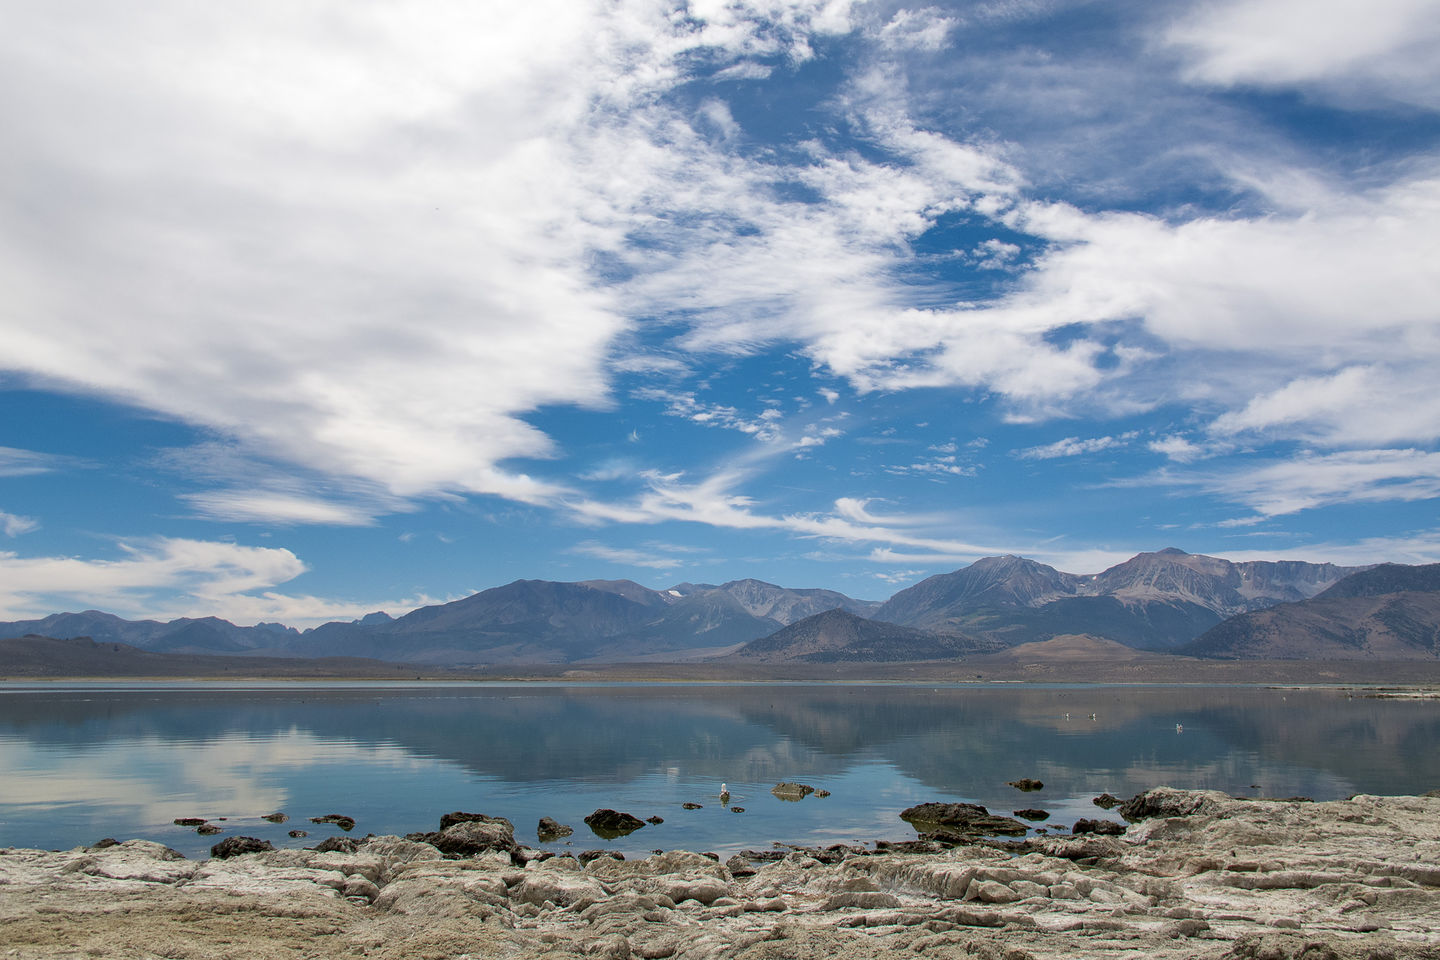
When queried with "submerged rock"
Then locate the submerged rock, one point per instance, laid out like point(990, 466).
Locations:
point(551, 829)
point(207, 829)
point(687, 805)
point(1107, 801)
point(960, 821)
point(338, 819)
point(1026, 784)
point(792, 791)
point(190, 821)
point(609, 824)
point(276, 817)
point(1032, 814)
point(1102, 827)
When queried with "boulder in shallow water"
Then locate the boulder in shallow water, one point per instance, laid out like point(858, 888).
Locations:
point(958, 821)
point(466, 838)
point(1101, 827)
point(239, 846)
point(1166, 802)
point(338, 819)
point(335, 844)
point(610, 824)
point(1032, 814)
point(276, 817)
point(551, 829)
point(792, 791)
point(1107, 801)
point(1026, 784)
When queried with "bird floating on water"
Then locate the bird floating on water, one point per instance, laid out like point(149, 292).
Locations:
point(724, 793)
point(1179, 728)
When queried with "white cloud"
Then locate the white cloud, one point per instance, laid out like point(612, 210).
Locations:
point(1352, 50)
point(1307, 481)
point(1177, 448)
point(165, 578)
point(14, 525)
point(925, 29)
point(1074, 447)
point(1358, 405)
point(356, 239)
point(25, 463)
point(747, 70)
point(655, 556)
point(274, 507)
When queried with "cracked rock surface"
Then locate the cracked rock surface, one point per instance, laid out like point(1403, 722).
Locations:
point(1205, 876)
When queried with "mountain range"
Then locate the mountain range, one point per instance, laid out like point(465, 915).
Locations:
point(1167, 601)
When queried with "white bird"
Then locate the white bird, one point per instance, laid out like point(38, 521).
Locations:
point(1179, 728)
point(724, 792)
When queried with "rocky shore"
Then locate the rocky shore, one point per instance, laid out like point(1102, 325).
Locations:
point(1202, 875)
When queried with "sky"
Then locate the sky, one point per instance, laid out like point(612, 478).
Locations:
point(315, 308)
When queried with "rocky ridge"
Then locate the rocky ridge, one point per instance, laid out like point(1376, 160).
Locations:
point(1203, 876)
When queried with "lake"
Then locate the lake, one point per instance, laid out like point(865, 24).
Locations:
point(82, 761)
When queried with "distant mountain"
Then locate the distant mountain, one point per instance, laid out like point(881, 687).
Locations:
point(1385, 579)
point(840, 636)
point(528, 621)
point(36, 656)
point(1389, 612)
point(1153, 601)
point(204, 635)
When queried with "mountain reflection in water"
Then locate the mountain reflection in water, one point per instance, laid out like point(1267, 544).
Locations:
point(123, 761)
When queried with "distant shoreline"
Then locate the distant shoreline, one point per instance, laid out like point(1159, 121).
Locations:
point(1162, 670)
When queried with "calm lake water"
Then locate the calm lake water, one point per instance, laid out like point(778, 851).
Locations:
point(79, 762)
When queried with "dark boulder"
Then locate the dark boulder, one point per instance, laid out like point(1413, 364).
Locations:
point(589, 856)
point(657, 820)
point(1101, 827)
point(610, 824)
point(276, 817)
point(338, 819)
point(1032, 814)
point(297, 834)
point(1026, 784)
point(1107, 801)
point(1165, 802)
point(960, 820)
point(692, 806)
point(190, 821)
point(792, 791)
point(474, 835)
point(335, 844)
point(238, 846)
point(207, 829)
point(551, 829)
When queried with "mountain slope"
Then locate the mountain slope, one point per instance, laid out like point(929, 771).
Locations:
point(1389, 612)
point(840, 636)
point(1153, 601)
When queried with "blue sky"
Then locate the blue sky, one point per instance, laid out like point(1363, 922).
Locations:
point(318, 308)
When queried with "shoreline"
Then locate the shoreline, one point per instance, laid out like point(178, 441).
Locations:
point(1203, 875)
point(1161, 670)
